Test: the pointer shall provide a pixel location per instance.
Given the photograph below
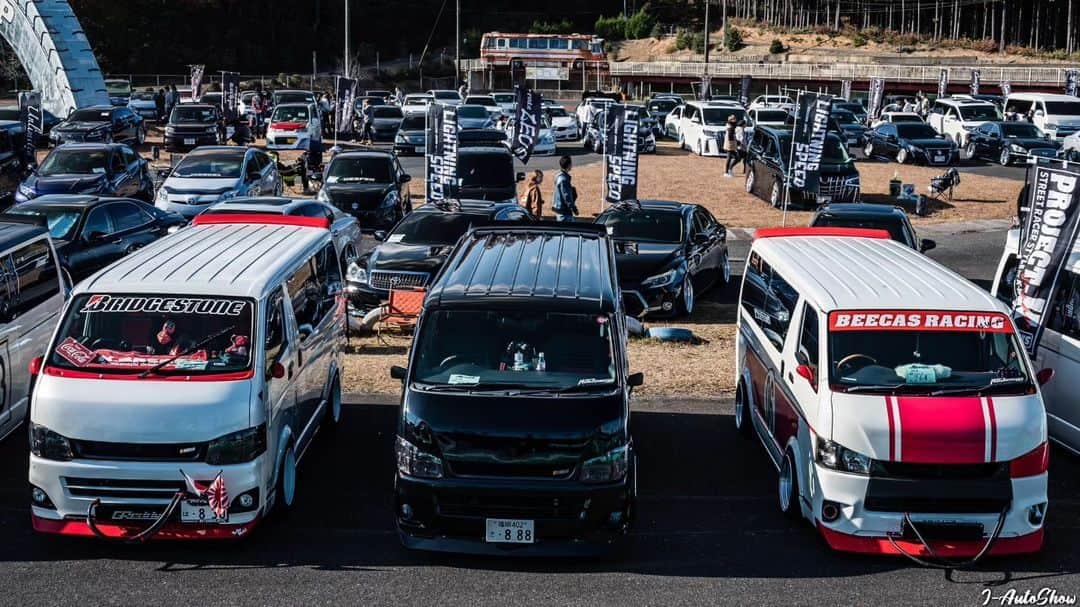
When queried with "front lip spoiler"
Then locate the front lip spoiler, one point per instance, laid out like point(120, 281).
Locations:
point(844, 542)
point(171, 531)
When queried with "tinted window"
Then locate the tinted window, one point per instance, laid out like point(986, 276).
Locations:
point(117, 162)
point(130, 157)
point(90, 115)
point(61, 221)
point(472, 111)
point(364, 169)
point(414, 122)
point(893, 225)
point(38, 280)
point(1063, 108)
point(772, 115)
point(328, 276)
point(982, 112)
point(68, 161)
point(809, 352)
point(304, 291)
point(314, 210)
point(98, 221)
point(768, 300)
point(486, 169)
point(715, 116)
point(434, 228)
point(386, 111)
point(192, 115)
point(1066, 307)
point(914, 130)
point(1021, 129)
point(291, 113)
point(651, 226)
point(126, 216)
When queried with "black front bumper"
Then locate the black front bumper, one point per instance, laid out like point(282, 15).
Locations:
point(571, 518)
point(175, 143)
point(656, 301)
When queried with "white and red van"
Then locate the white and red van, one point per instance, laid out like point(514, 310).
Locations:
point(893, 396)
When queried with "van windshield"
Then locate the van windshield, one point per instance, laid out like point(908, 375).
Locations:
point(1063, 108)
point(925, 352)
point(514, 349)
point(976, 113)
point(130, 334)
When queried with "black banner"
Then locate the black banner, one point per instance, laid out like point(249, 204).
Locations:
point(1006, 88)
point(1070, 83)
point(30, 107)
point(526, 123)
point(744, 90)
point(196, 81)
point(1046, 240)
point(877, 95)
point(705, 94)
point(845, 90)
point(811, 126)
point(621, 154)
point(346, 99)
point(976, 80)
point(230, 96)
point(442, 147)
point(517, 72)
point(943, 84)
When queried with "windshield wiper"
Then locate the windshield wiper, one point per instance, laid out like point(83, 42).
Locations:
point(980, 390)
point(186, 351)
point(883, 388)
point(584, 385)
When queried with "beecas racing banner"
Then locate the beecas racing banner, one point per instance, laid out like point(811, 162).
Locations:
point(943, 83)
point(845, 90)
point(877, 95)
point(811, 126)
point(526, 123)
point(976, 80)
point(230, 96)
point(621, 154)
point(30, 108)
point(346, 95)
point(1046, 239)
point(918, 320)
point(1070, 83)
point(196, 81)
point(744, 90)
point(442, 147)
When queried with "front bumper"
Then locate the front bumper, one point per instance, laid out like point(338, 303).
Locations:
point(937, 157)
point(182, 143)
point(287, 140)
point(566, 133)
point(61, 137)
point(185, 209)
point(641, 302)
point(410, 147)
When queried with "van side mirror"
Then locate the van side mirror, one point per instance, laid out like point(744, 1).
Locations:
point(397, 373)
point(379, 235)
point(1044, 376)
point(805, 372)
point(519, 177)
point(635, 380)
point(305, 330)
point(926, 244)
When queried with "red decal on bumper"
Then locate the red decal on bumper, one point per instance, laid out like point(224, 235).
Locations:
point(171, 531)
point(844, 542)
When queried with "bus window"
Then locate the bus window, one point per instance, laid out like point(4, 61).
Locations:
point(538, 43)
point(580, 45)
point(596, 47)
point(489, 42)
point(517, 43)
point(559, 43)
point(502, 42)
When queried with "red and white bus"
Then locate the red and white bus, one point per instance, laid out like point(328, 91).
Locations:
point(554, 50)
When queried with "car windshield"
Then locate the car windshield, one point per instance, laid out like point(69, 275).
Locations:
point(916, 130)
point(192, 115)
point(210, 164)
point(905, 118)
point(518, 349)
point(61, 222)
point(129, 334)
point(979, 112)
point(557, 112)
point(1021, 129)
point(472, 111)
point(143, 96)
point(834, 152)
point(1063, 108)
point(448, 95)
point(717, 116)
point(359, 170)
point(854, 108)
point(485, 101)
point(90, 116)
point(486, 170)
point(434, 228)
point(893, 226)
point(504, 98)
point(386, 111)
point(663, 105)
point(74, 162)
point(844, 117)
point(924, 351)
point(646, 226)
point(298, 97)
point(293, 113)
point(773, 116)
point(415, 122)
point(118, 88)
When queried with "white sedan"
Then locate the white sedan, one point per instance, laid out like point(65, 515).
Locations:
point(564, 124)
point(293, 126)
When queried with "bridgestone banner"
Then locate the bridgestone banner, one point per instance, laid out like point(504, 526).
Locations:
point(30, 106)
point(1046, 240)
point(621, 154)
point(744, 90)
point(230, 96)
point(845, 90)
point(976, 81)
point(1070, 83)
point(811, 126)
point(526, 123)
point(877, 95)
point(346, 96)
point(196, 81)
point(943, 83)
point(442, 147)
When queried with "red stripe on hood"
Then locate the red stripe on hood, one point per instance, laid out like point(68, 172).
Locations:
point(942, 430)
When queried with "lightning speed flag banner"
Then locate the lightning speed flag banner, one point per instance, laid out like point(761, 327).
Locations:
point(230, 95)
point(621, 154)
point(811, 126)
point(845, 90)
point(196, 81)
point(442, 147)
point(1046, 240)
point(526, 123)
point(976, 81)
point(346, 95)
point(1070, 83)
point(943, 83)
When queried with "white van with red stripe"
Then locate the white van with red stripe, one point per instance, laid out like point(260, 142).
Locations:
point(893, 396)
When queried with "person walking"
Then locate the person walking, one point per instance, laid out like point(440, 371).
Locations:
point(534, 199)
point(731, 144)
point(742, 138)
point(258, 103)
point(564, 202)
point(159, 103)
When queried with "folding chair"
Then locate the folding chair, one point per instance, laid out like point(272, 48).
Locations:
point(403, 308)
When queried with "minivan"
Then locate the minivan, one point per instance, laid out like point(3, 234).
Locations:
point(514, 428)
point(1056, 115)
point(185, 381)
point(769, 162)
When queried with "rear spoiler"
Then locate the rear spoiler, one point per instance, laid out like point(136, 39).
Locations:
point(262, 219)
point(841, 232)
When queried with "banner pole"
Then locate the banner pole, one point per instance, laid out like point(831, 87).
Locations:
point(337, 102)
point(790, 159)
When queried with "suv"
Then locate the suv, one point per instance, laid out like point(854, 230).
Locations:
point(486, 167)
point(1056, 115)
point(192, 125)
point(502, 330)
point(874, 217)
point(216, 173)
point(369, 185)
point(595, 138)
point(769, 158)
point(954, 117)
point(702, 124)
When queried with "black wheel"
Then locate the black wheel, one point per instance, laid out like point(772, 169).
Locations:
point(788, 487)
point(140, 136)
point(332, 418)
point(750, 177)
point(1006, 158)
point(742, 412)
point(902, 156)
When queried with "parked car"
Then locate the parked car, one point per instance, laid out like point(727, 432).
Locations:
point(416, 104)
point(863, 215)
point(701, 128)
point(590, 106)
point(91, 232)
point(193, 125)
point(779, 102)
point(11, 170)
point(849, 127)
point(143, 104)
point(769, 160)
point(957, 117)
point(896, 118)
point(212, 98)
point(102, 169)
point(659, 108)
point(212, 174)
point(385, 122)
point(445, 96)
point(544, 144)
point(100, 123)
point(1056, 115)
point(118, 90)
point(767, 117)
point(595, 137)
point(672, 122)
point(852, 106)
point(369, 185)
point(666, 254)
point(507, 101)
point(411, 138)
point(13, 120)
point(564, 125)
point(911, 142)
point(487, 102)
point(474, 117)
point(1008, 142)
point(486, 167)
point(293, 126)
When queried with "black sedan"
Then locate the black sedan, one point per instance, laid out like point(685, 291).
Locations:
point(911, 142)
point(849, 127)
point(100, 123)
point(666, 253)
point(102, 169)
point(370, 186)
point(869, 216)
point(90, 232)
point(1008, 142)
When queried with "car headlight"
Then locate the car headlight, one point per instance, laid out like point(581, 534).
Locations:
point(607, 468)
point(390, 199)
point(238, 447)
point(968, 127)
point(411, 461)
point(400, 138)
point(322, 196)
point(660, 280)
point(354, 273)
point(48, 444)
point(914, 149)
point(836, 457)
point(170, 131)
point(1019, 149)
point(27, 191)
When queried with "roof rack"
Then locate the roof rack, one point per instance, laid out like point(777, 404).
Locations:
point(841, 232)
point(262, 219)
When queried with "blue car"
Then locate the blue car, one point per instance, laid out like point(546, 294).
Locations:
point(103, 169)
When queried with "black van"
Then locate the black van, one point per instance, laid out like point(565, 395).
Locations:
point(486, 166)
point(514, 430)
point(769, 159)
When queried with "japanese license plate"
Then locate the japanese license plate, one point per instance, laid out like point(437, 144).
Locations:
point(189, 141)
point(289, 140)
point(939, 158)
point(198, 511)
point(510, 531)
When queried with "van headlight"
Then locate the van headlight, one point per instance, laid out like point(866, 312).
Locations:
point(238, 447)
point(607, 468)
point(170, 131)
point(354, 273)
point(836, 457)
point(391, 199)
point(27, 191)
point(323, 195)
point(45, 443)
point(411, 461)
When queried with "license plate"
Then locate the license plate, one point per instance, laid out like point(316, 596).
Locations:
point(198, 511)
point(189, 141)
point(939, 158)
point(290, 140)
point(510, 531)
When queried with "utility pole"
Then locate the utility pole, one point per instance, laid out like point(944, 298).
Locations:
point(1004, 7)
point(457, 44)
point(347, 38)
point(707, 3)
point(723, 16)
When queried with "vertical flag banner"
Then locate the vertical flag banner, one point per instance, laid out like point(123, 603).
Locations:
point(230, 95)
point(706, 89)
point(1046, 240)
point(744, 90)
point(976, 80)
point(30, 106)
point(621, 154)
point(877, 95)
point(943, 84)
point(1006, 88)
point(526, 123)
point(346, 99)
point(1070, 83)
point(196, 81)
point(442, 146)
point(811, 126)
point(845, 90)
point(517, 72)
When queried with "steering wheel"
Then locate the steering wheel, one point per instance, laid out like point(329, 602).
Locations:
point(448, 360)
point(850, 358)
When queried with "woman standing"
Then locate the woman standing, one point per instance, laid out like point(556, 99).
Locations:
point(534, 199)
point(731, 144)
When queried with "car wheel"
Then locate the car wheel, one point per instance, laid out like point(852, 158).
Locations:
point(902, 156)
point(140, 136)
point(700, 148)
point(776, 195)
point(685, 304)
point(970, 150)
point(742, 412)
point(868, 151)
point(1005, 159)
point(788, 487)
point(725, 269)
point(750, 181)
point(286, 482)
point(333, 405)
point(682, 142)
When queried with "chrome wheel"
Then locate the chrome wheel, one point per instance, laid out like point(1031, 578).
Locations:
point(287, 482)
point(786, 485)
point(742, 419)
point(750, 181)
point(1005, 158)
point(970, 149)
point(333, 407)
point(902, 156)
point(776, 195)
point(868, 151)
point(687, 296)
point(140, 136)
point(726, 269)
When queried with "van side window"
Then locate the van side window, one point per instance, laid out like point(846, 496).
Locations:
point(328, 274)
point(808, 351)
point(275, 328)
point(1063, 314)
point(304, 291)
point(37, 278)
point(768, 300)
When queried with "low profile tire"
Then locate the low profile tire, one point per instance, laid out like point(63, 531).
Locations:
point(682, 142)
point(788, 487)
point(332, 418)
point(725, 269)
point(750, 181)
point(902, 156)
point(685, 305)
point(742, 412)
point(700, 148)
point(776, 195)
point(286, 485)
point(140, 136)
point(1006, 158)
point(868, 150)
point(970, 150)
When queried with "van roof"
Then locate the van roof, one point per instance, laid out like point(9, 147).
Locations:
point(845, 273)
point(1044, 97)
point(241, 260)
point(537, 266)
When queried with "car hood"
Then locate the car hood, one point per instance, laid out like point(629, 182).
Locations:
point(929, 143)
point(938, 430)
point(201, 185)
point(1031, 142)
point(64, 184)
point(651, 258)
point(365, 195)
point(80, 126)
point(562, 121)
point(142, 411)
point(473, 123)
point(394, 256)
